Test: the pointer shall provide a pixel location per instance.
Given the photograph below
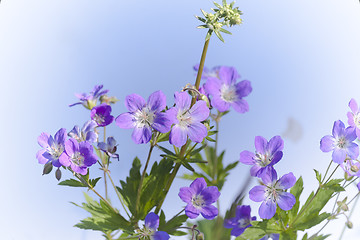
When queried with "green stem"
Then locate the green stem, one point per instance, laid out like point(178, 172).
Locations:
point(142, 178)
point(105, 169)
point(351, 212)
point(332, 174)
point(118, 194)
point(202, 63)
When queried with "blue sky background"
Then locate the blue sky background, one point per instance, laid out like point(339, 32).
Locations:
point(302, 58)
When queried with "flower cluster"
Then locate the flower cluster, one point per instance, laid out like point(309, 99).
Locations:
point(344, 150)
point(272, 191)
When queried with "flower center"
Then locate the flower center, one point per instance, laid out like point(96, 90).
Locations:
point(198, 201)
point(272, 193)
point(78, 159)
point(341, 143)
point(228, 93)
point(357, 120)
point(56, 150)
point(184, 118)
point(145, 117)
point(100, 119)
point(263, 159)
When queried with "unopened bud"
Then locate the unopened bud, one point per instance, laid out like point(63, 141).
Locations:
point(348, 177)
point(108, 100)
point(354, 168)
point(47, 168)
point(206, 99)
point(58, 174)
point(342, 205)
point(200, 236)
point(349, 224)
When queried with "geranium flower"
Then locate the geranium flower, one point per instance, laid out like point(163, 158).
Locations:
point(86, 133)
point(272, 236)
point(90, 100)
point(53, 147)
point(273, 193)
point(354, 116)
point(187, 120)
point(241, 221)
point(109, 147)
point(102, 115)
point(199, 198)
point(149, 230)
point(266, 155)
point(340, 142)
point(226, 92)
point(79, 156)
point(144, 116)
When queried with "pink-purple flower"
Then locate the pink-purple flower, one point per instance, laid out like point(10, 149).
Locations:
point(90, 100)
point(273, 193)
point(53, 147)
point(79, 156)
point(199, 198)
point(149, 230)
point(354, 116)
point(241, 221)
point(266, 155)
point(226, 92)
point(186, 120)
point(109, 147)
point(101, 114)
point(340, 142)
point(144, 116)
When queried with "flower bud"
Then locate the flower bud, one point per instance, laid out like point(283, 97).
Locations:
point(354, 168)
point(200, 236)
point(349, 224)
point(58, 174)
point(348, 177)
point(47, 168)
point(342, 205)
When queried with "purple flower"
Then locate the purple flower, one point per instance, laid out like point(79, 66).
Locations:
point(89, 100)
point(199, 198)
point(149, 230)
point(86, 133)
point(266, 155)
point(109, 147)
point(241, 221)
point(354, 116)
point(272, 193)
point(226, 92)
point(79, 156)
point(53, 147)
point(187, 120)
point(101, 115)
point(272, 236)
point(341, 143)
point(143, 116)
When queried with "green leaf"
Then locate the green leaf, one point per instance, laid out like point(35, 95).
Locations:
point(210, 139)
point(202, 26)
point(318, 175)
point(296, 190)
point(72, 183)
point(198, 150)
point(163, 136)
point(201, 19)
point(219, 36)
point(166, 150)
point(103, 217)
point(225, 31)
point(217, 5)
point(208, 35)
point(213, 229)
point(93, 182)
point(172, 225)
point(129, 188)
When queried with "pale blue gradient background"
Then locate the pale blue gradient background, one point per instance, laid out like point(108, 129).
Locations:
point(302, 57)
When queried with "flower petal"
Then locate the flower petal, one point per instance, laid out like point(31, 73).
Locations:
point(247, 157)
point(40, 157)
point(220, 104)
point(43, 139)
point(210, 194)
point(339, 155)
point(162, 122)
point(267, 209)
point(160, 235)
point(338, 128)
point(134, 102)
point(286, 201)
point(353, 150)
point(353, 106)
point(197, 132)
point(199, 112)
point(260, 144)
point(186, 194)
point(241, 106)
point(243, 88)
point(152, 221)
point(157, 101)
point(228, 75)
point(141, 135)
point(125, 120)
point(327, 143)
point(191, 211)
point(209, 212)
point(286, 181)
point(182, 100)
point(60, 136)
point(275, 144)
point(178, 136)
point(198, 185)
point(257, 193)
point(212, 86)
